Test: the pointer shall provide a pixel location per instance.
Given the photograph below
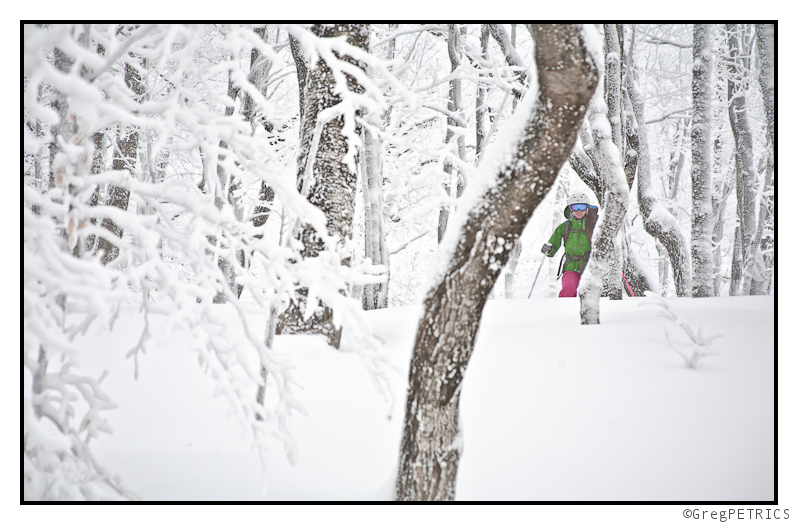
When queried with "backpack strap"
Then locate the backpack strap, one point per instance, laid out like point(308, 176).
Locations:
point(568, 231)
point(581, 258)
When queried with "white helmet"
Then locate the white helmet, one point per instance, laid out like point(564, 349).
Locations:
point(578, 197)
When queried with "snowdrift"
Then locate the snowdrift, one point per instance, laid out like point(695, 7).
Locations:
point(551, 410)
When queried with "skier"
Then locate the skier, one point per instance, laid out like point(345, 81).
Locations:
point(575, 235)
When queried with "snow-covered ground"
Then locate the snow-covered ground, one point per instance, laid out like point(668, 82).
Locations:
point(551, 411)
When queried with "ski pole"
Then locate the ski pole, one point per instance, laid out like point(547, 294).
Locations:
point(536, 277)
point(627, 285)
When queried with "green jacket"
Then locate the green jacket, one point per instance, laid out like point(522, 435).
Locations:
point(578, 244)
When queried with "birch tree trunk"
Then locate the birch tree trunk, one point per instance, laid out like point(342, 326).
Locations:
point(718, 211)
point(509, 271)
point(376, 246)
point(231, 184)
point(455, 108)
point(374, 295)
point(765, 41)
point(612, 83)
point(737, 264)
point(762, 271)
point(481, 90)
point(701, 175)
point(765, 46)
point(325, 176)
point(521, 174)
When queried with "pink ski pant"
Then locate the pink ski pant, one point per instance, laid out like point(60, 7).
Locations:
point(570, 281)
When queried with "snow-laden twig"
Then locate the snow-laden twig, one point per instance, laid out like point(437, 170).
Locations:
point(699, 345)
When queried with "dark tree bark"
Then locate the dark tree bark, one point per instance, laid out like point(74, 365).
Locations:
point(324, 174)
point(125, 158)
point(97, 166)
point(444, 341)
point(737, 264)
point(65, 128)
point(301, 72)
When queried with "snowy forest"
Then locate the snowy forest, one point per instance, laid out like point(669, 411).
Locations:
point(277, 201)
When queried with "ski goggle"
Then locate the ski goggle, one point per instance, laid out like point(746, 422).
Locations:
point(578, 207)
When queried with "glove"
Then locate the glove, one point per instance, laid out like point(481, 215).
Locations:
point(546, 249)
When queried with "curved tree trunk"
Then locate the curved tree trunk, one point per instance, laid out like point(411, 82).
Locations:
point(744, 154)
point(605, 252)
point(470, 260)
point(583, 159)
point(658, 221)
